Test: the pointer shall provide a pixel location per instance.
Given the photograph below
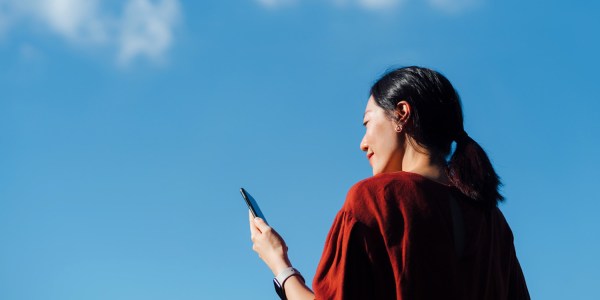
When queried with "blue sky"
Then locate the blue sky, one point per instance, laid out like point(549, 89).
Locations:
point(127, 128)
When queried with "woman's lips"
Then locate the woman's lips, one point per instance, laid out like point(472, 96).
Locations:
point(369, 155)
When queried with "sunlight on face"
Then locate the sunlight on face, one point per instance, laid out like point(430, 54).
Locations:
point(381, 141)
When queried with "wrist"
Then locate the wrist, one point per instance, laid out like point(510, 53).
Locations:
point(280, 280)
point(280, 266)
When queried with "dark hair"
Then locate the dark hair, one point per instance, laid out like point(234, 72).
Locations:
point(436, 121)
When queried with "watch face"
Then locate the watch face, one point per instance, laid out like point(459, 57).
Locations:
point(278, 289)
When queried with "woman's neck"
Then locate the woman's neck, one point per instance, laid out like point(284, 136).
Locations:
point(422, 162)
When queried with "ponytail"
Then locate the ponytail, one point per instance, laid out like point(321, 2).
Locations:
point(437, 121)
point(471, 171)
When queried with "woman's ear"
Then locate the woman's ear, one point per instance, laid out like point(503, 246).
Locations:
point(402, 112)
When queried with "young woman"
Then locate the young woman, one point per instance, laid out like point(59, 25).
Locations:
point(426, 225)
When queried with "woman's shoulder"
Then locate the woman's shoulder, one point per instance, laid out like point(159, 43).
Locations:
point(401, 181)
point(373, 195)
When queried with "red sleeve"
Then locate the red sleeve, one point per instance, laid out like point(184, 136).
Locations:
point(351, 266)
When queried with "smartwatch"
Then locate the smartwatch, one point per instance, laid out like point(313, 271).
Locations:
point(280, 279)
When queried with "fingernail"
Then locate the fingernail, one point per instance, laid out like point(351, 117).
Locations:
point(256, 218)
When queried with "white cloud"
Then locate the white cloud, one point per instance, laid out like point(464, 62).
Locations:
point(368, 4)
point(446, 6)
point(378, 4)
point(453, 6)
point(74, 19)
point(144, 29)
point(275, 3)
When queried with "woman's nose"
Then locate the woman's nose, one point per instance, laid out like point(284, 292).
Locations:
point(363, 145)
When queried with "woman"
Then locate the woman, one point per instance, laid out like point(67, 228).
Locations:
point(424, 226)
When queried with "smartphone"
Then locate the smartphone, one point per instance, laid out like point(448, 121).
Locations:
point(252, 205)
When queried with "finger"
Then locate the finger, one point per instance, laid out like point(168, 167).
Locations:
point(253, 229)
point(261, 224)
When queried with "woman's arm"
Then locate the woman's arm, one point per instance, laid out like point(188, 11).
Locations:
point(271, 248)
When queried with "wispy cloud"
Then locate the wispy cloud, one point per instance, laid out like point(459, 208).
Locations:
point(79, 21)
point(368, 4)
point(453, 6)
point(446, 6)
point(146, 29)
point(143, 29)
point(5, 16)
point(29, 53)
point(275, 3)
point(378, 4)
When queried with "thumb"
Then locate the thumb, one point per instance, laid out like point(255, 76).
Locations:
point(261, 224)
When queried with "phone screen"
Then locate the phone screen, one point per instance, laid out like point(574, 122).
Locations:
point(252, 205)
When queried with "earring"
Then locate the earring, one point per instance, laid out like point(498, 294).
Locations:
point(399, 128)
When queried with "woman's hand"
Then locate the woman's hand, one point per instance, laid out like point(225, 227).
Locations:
point(272, 250)
point(269, 245)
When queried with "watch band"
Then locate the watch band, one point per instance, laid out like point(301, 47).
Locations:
point(280, 279)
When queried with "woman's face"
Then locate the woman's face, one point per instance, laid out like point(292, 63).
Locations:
point(381, 141)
